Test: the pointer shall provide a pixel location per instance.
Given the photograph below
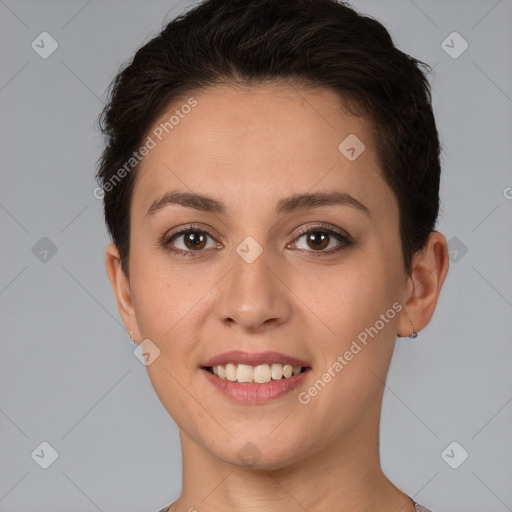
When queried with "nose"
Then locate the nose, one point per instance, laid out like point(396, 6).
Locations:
point(253, 295)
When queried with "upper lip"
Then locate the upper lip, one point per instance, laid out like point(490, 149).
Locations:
point(254, 359)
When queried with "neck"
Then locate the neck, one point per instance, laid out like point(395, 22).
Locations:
point(342, 476)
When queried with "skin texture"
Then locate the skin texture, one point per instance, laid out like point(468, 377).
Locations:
point(251, 147)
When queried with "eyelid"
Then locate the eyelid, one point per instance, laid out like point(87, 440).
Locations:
point(189, 227)
point(322, 226)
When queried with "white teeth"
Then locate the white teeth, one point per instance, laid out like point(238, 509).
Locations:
point(260, 374)
point(287, 370)
point(244, 373)
point(231, 372)
point(277, 371)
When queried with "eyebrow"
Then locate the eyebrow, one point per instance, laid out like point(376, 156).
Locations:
point(289, 204)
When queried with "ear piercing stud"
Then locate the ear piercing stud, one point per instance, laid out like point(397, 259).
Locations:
point(413, 334)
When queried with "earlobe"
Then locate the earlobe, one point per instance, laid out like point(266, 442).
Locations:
point(429, 270)
point(121, 288)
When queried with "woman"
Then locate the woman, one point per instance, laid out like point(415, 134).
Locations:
point(271, 187)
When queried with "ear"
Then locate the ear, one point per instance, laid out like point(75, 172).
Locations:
point(121, 287)
point(429, 269)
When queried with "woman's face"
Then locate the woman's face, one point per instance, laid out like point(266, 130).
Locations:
point(247, 279)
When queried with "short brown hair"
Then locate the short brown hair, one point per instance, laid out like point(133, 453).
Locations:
point(324, 43)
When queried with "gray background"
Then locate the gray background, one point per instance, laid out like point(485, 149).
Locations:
point(68, 375)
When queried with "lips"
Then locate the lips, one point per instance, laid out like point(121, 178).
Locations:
point(240, 357)
point(255, 393)
point(257, 377)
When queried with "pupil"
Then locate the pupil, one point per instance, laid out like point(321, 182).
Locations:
point(195, 239)
point(315, 238)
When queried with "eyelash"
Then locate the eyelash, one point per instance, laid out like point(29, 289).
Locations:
point(345, 240)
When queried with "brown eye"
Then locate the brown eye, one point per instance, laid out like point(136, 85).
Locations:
point(193, 240)
point(319, 238)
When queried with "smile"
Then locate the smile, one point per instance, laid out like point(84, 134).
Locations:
point(260, 374)
point(254, 378)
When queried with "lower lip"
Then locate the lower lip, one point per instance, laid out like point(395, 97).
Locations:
point(255, 393)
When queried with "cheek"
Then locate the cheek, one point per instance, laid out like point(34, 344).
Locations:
point(166, 306)
point(358, 309)
point(354, 297)
point(163, 294)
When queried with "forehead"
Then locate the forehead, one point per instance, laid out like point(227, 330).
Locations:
point(243, 143)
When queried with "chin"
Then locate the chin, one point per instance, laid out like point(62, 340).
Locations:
point(261, 454)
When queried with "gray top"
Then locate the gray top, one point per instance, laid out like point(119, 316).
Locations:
point(417, 507)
